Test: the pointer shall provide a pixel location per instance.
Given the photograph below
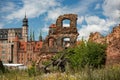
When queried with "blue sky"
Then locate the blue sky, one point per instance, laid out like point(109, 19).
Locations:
point(93, 15)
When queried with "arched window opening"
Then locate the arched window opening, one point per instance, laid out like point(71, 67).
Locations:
point(0, 36)
point(66, 23)
point(66, 42)
point(51, 42)
point(19, 35)
point(5, 36)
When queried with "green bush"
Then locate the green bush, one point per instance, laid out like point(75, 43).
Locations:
point(32, 70)
point(2, 68)
point(45, 63)
point(87, 53)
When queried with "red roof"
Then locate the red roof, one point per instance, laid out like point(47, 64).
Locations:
point(23, 46)
point(39, 44)
point(36, 45)
point(52, 26)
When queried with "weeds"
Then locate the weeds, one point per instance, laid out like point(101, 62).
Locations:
point(108, 73)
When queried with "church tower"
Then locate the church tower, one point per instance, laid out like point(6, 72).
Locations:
point(25, 29)
point(40, 36)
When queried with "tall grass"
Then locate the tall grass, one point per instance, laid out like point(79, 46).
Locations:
point(108, 73)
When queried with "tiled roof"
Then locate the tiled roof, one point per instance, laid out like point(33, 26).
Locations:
point(22, 46)
point(4, 32)
point(32, 45)
point(52, 26)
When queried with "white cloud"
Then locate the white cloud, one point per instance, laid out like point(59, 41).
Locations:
point(33, 8)
point(80, 19)
point(54, 13)
point(95, 24)
point(112, 9)
point(1, 25)
point(80, 8)
point(97, 6)
point(53, 9)
point(66, 25)
point(9, 7)
point(94, 20)
point(45, 29)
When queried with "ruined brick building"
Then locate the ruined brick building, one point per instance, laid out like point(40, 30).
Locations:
point(113, 42)
point(16, 48)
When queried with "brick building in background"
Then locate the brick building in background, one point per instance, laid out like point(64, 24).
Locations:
point(7, 37)
point(16, 48)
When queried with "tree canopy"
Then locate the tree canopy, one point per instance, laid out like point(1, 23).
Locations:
point(86, 53)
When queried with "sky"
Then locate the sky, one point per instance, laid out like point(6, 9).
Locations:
point(93, 15)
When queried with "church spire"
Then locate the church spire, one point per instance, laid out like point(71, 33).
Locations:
point(25, 21)
point(33, 36)
point(25, 14)
point(30, 35)
point(40, 36)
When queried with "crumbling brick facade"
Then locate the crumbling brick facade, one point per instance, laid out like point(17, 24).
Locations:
point(55, 42)
point(21, 50)
point(113, 42)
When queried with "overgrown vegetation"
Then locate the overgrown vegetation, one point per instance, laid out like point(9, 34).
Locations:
point(108, 73)
point(85, 62)
point(2, 68)
point(86, 54)
point(31, 70)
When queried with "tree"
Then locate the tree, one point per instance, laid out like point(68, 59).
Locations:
point(2, 68)
point(87, 53)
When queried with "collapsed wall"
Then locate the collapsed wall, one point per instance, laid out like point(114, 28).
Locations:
point(60, 36)
point(113, 42)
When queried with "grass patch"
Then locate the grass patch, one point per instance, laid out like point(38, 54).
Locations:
point(108, 73)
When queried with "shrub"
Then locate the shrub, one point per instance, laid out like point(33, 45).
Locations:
point(2, 68)
point(32, 70)
point(89, 53)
